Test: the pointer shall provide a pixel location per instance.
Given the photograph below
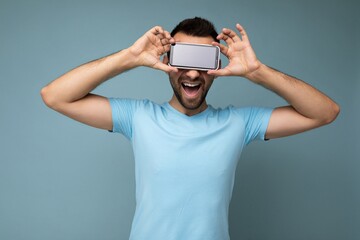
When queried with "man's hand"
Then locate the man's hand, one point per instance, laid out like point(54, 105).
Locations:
point(148, 49)
point(242, 58)
point(70, 94)
point(309, 108)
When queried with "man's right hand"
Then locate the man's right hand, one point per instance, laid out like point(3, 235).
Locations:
point(148, 49)
point(70, 93)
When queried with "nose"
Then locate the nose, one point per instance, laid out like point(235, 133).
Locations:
point(192, 74)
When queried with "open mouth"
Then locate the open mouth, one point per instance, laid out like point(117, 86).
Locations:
point(191, 89)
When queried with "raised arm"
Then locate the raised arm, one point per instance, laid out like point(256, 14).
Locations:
point(70, 93)
point(309, 108)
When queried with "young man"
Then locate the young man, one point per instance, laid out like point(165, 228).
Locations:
point(185, 150)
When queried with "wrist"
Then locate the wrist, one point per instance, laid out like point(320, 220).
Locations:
point(257, 74)
point(126, 59)
point(116, 63)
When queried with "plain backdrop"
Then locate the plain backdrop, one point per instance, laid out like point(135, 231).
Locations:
point(60, 179)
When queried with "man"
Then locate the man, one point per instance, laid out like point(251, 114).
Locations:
point(185, 150)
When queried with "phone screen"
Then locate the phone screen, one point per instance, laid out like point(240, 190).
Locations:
point(194, 56)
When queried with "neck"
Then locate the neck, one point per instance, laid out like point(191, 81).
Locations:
point(187, 111)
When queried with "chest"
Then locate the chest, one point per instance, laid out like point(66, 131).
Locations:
point(182, 147)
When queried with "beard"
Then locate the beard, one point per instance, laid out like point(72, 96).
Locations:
point(190, 103)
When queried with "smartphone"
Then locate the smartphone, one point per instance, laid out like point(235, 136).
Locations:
point(201, 57)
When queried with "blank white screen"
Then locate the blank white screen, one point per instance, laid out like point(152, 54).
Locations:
point(198, 56)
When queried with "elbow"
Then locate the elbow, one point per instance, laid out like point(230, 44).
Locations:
point(332, 114)
point(47, 97)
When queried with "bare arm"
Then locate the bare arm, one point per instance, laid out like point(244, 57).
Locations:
point(309, 108)
point(70, 93)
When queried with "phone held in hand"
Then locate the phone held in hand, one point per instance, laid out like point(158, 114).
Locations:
point(200, 57)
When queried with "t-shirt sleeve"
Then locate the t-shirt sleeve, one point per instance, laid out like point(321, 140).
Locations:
point(122, 111)
point(256, 122)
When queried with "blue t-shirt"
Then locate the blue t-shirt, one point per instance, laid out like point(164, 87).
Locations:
point(185, 166)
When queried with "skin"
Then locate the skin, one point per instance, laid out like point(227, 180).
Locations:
point(183, 102)
point(70, 94)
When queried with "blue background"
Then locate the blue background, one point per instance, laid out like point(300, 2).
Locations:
point(60, 179)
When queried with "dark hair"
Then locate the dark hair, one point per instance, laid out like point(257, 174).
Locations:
point(198, 27)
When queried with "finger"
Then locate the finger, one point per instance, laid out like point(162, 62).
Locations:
point(166, 48)
point(223, 48)
point(223, 36)
point(165, 38)
point(165, 41)
point(167, 35)
point(242, 31)
point(155, 34)
point(164, 35)
point(160, 33)
point(231, 34)
point(172, 41)
point(157, 30)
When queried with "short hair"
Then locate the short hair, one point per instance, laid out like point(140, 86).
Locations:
point(197, 27)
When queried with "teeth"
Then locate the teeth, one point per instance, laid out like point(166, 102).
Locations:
point(191, 84)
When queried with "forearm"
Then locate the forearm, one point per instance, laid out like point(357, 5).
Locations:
point(304, 98)
point(80, 81)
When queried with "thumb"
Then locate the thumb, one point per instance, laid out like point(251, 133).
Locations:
point(164, 67)
point(219, 72)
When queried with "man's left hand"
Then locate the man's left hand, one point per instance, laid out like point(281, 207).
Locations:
point(242, 58)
